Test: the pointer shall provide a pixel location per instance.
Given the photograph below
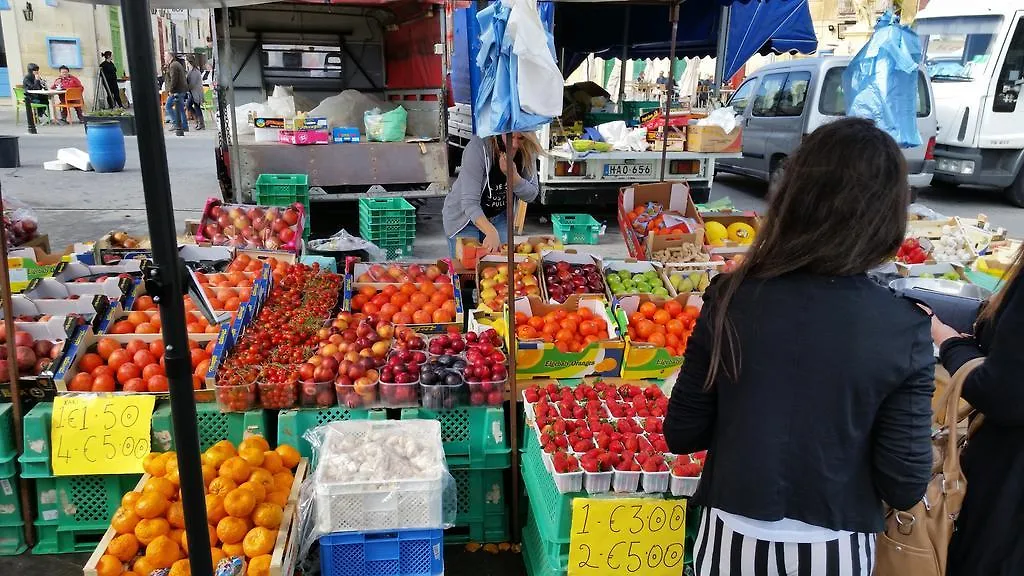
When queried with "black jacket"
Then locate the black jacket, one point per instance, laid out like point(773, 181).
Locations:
point(831, 412)
point(988, 539)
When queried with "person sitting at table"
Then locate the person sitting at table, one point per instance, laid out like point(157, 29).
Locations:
point(64, 82)
point(33, 81)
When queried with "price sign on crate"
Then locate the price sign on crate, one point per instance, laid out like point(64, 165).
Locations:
point(627, 536)
point(100, 434)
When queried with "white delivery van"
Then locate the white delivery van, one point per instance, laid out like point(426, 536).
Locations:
point(974, 52)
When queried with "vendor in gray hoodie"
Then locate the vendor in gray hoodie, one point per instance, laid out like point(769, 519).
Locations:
point(476, 206)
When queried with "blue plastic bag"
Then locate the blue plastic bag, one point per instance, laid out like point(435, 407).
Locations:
point(880, 83)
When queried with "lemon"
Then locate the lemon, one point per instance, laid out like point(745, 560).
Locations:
point(741, 232)
point(716, 233)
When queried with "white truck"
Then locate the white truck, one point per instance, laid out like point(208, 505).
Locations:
point(974, 53)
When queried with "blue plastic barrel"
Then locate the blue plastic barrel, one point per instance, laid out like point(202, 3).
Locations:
point(106, 146)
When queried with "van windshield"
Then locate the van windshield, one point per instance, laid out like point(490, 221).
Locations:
point(833, 103)
point(957, 48)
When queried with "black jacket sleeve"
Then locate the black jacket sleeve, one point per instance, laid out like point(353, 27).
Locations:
point(692, 410)
point(995, 388)
point(902, 449)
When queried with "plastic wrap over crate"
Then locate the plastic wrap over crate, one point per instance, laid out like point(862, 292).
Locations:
point(376, 475)
point(881, 81)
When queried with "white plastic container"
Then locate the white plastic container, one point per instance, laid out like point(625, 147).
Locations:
point(684, 485)
point(597, 482)
point(625, 482)
point(568, 482)
point(655, 482)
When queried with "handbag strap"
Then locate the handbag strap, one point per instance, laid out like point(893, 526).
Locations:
point(948, 419)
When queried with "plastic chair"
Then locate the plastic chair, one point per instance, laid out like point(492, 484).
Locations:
point(19, 105)
point(208, 102)
point(72, 99)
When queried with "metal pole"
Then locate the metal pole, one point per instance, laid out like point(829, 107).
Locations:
point(669, 86)
point(12, 376)
point(513, 405)
point(625, 58)
point(160, 215)
point(226, 71)
point(723, 43)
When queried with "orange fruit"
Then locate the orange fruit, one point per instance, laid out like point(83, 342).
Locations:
point(176, 515)
point(109, 566)
point(231, 530)
point(209, 473)
point(259, 541)
point(161, 486)
point(264, 478)
point(221, 486)
point(130, 498)
point(268, 515)
point(123, 547)
point(148, 530)
point(240, 502)
point(259, 566)
point(213, 539)
point(180, 568)
point(178, 535)
point(289, 456)
point(236, 469)
point(129, 573)
point(143, 566)
point(257, 490)
point(124, 520)
point(272, 462)
point(233, 550)
point(252, 455)
point(151, 505)
point(255, 441)
point(215, 457)
point(215, 508)
point(153, 464)
point(163, 552)
point(277, 497)
point(218, 555)
point(283, 481)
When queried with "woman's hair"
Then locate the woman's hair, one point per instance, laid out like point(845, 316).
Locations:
point(994, 303)
point(529, 146)
point(107, 54)
point(840, 209)
point(32, 67)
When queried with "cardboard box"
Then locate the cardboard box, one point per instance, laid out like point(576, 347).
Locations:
point(112, 290)
point(345, 135)
point(705, 270)
point(117, 314)
point(358, 269)
point(671, 195)
point(730, 247)
point(306, 123)
point(713, 139)
point(634, 266)
point(643, 360)
point(268, 122)
point(41, 241)
point(931, 270)
point(24, 267)
point(502, 262)
point(304, 137)
point(106, 253)
point(540, 359)
point(572, 257)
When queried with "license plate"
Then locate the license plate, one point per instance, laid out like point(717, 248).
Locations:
point(628, 170)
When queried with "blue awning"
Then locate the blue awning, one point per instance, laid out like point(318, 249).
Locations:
point(765, 26)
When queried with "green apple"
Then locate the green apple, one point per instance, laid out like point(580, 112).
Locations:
point(660, 291)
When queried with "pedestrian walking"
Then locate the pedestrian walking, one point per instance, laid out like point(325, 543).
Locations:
point(176, 84)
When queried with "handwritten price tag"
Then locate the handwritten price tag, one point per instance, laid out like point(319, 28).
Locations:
point(627, 536)
point(100, 435)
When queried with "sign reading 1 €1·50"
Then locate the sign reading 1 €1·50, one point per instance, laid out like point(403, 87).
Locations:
point(627, 536)
point(100, 434)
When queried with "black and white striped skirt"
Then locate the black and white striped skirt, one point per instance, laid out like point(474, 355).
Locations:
point(721, 552)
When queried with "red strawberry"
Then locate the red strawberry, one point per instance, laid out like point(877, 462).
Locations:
point(591, 465)
point(686, 469)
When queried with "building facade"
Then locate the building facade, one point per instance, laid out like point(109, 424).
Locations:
point(844, 26)
point(52, 33)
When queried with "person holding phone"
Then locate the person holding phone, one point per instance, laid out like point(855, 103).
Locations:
point(476, 206)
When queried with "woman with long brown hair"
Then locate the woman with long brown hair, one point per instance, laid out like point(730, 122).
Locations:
point(808, 383)
point(476, 206)
point(988, 538)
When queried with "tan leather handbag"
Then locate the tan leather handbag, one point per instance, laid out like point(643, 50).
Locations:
point(915, 541)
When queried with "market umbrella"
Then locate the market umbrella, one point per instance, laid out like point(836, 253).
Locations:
point(779, 26)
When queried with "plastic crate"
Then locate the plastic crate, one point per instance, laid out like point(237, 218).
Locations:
point(633, 109)
point(576, 228)
point(10, 503)
point(552, 511)
point(393, 236)
point(379, 215)
point(214, 426)
point(80, 503)
point(8, 448)
point(52, 539)
point(482, 513)
point(598, 118)
point(35, 459)
point(396, 553)
point(473, 436)
point(402, 249)
point(282, 190)
point(293, 424)
point(537, 553)
point(12, 539)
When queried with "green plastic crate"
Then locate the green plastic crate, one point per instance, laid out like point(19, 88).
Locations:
point(482, 511)
point(473, 436)
point(536, 553)
point(293, 424)
point(576, 228)
point(282, 190)
point(10, 503)
point(214, 426)
point(81, 503)
point(634, 109)
point(552, 510)
point(392, 236)
point(12, 539)
point(8, 448)
point(598, 118)
point(35, 459)
point(396, 250)
point(387, 214)
point(52, 539)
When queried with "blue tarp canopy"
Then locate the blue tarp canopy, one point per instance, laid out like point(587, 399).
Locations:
point(768, 26)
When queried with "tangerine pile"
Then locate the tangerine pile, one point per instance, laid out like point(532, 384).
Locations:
point(570, 331)
point(148, 322)
point(408, 303)
point(668, 325)
point(246, 492)
point(137, 366)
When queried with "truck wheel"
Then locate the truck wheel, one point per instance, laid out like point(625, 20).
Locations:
point(1015, 192)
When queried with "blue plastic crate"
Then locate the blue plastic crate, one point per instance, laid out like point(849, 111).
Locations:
point(386, 553)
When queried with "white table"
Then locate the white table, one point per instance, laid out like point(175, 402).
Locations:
point(49, 98)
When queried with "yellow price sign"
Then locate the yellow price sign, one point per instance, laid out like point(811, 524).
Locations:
point(100, 434)
point(627, 536)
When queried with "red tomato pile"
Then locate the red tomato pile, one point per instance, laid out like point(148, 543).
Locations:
point(667, 325)
point(137, 366)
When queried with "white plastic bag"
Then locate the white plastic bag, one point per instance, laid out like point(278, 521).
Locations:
point(622, 137)
point(724, 118)
point(540, 80)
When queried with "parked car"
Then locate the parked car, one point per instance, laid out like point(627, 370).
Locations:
point(782, 102)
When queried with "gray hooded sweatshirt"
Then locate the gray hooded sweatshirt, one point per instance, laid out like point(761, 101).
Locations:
point(462, 205)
